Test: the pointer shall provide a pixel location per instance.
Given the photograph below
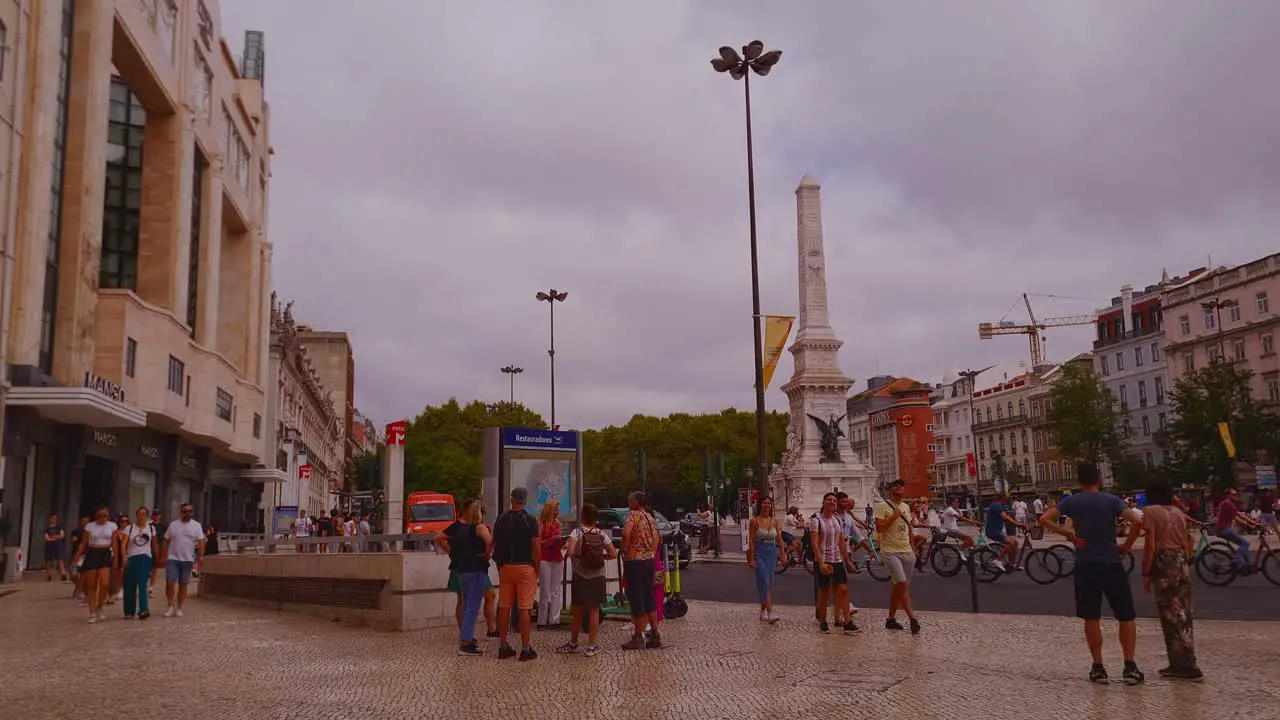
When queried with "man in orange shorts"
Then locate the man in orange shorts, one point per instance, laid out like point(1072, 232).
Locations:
point(516, 551)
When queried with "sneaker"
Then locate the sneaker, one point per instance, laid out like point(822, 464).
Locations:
point(853, 609)
point(568, 648)
point(1189, 674)
point(850, 628)
point(1132, 675)
point(764, 616)
point(591, 650)
point(470, 650)
point(1098, 675)
point(177, 612)
point(823, 627)
point(654, 642)
point(93, 619)
point(915, 626)
point(892, 624)
point(772, 618)
point(635, 643)
point(491, 634)
point(169, 613)
point(102, 616)
point(144, 615)
point(506, 651)
point(527, 654)
point(128, 617)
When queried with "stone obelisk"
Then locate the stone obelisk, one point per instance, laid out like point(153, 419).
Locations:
point(819, 456)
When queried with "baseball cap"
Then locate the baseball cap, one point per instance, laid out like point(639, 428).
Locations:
point(519, 494)
point(897, 481)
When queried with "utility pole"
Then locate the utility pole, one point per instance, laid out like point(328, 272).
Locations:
point(642, 471)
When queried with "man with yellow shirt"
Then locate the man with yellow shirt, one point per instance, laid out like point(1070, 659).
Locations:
point(893, 523)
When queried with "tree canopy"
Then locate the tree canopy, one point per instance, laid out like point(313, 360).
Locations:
point(443, 451)
point(1086, 419)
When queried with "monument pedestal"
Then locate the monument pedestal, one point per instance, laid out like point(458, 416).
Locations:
point(804, 488)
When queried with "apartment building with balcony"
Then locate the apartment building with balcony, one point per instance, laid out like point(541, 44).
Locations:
point(1001, 427)
point(1130, 360)
point(894, 416)
point(137, 320)
point(1228, 312)
point(955, 462)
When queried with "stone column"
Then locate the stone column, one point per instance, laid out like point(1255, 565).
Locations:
point(164, 240)
point(210, 255)
point(264, 329)
point(34, 190)
point(814, 319)
point(393, 479)
point(85, 184)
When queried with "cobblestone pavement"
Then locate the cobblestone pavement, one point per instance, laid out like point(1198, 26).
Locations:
point(233, 663)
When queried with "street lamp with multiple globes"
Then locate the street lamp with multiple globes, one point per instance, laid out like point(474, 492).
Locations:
point(551, 297)
point(754, 59)
point(513, 371)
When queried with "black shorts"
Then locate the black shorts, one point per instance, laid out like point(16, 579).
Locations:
point(588, 593)
point(641, 577)
point(1094, 581)
point(838, 576)
point(96, 558)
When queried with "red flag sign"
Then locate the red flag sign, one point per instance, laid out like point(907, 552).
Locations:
point(304, 472)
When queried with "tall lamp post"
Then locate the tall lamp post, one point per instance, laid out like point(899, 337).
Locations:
point(513, 371)
point(551, 297)
point(753, 59)
point(971, 376)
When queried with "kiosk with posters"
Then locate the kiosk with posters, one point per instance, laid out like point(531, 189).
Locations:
point(546, 463)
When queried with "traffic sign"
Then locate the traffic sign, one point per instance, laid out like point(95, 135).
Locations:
point(1266, 476)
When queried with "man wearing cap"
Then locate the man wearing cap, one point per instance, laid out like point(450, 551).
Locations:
point(893, 523)
point(516, 549)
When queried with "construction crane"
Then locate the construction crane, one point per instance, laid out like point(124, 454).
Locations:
point(1032, 330)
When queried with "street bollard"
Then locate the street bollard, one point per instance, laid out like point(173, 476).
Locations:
point(973, 581)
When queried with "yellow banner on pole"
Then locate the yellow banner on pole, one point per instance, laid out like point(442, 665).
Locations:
point(1225, 431)
point(777, 328)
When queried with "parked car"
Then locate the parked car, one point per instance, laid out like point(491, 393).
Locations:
point(692, 524)
point(612, 520)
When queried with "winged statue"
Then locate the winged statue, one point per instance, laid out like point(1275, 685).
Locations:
point(831, 434)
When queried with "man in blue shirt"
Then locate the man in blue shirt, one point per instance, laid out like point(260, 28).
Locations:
point(994, 530)
point(1098, 571)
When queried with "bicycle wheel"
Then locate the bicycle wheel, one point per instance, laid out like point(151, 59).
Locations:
point(986, 566)
point(1215, 568)
point(945, 560)
point(790, 560)
point(810, 561)
point(1042, 566)
point(877, 569)
point(1066, 558)
point(1271, 567)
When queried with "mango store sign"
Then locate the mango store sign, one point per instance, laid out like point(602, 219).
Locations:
point(104, 387)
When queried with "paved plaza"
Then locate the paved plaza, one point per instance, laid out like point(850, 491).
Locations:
point(227, 662)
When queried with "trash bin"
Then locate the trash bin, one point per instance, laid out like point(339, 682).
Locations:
point(13, 562)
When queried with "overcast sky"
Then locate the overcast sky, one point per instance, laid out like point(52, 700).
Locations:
point(439, 162)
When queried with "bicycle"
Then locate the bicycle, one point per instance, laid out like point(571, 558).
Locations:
point(946, 555)
point(1066, 554)
point(804, 556)
point(1217, 567)
point(1041, 565)
point(1204, 543)
point(873, 562)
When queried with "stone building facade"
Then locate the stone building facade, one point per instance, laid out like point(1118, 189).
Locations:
point(334, 360)
point(137, 266)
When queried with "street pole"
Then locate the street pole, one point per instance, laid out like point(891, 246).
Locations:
point(753, 59)
point(512, 371)
point(552, 297)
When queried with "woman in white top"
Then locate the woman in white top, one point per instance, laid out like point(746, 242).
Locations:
point(141, 549)
point(95, 550)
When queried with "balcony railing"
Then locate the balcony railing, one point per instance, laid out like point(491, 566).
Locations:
point(1130, 335)
point(999, 423)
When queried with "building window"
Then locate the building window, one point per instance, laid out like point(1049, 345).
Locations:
point(1273, 386)
point(1214, 352)
point(1104, 367)
point(1137, 356)
point(1022, 407)
point(257, 425)
point(1149, 459)
point(1155, 353)
point(130, 356)
point(193, 256)
point(1233, 314)
point(999, 411)
point(1038, 440)
point(202, 90)
point(1159, 383)
point(235, 151)
point(121, 217)
point(1268, 344)
point(1035, 408)
point(1124, 396)
point(1119, 361)
point(49, 309)
point(1184, 324)
point(988, 414)
point(982, 449)
point(1053, 472)
point(1002, 444)
point(1040, 473)
point(177, 371)
point(1189, 362)
point(1142, 393)
point(1264, 306)
point(1024, 441)
point(1013, 442)
point(222, 405)
point(1237, 349)
point(1209, 322)
point(1010, 406)
point(1146, 425)
point(1161, 420)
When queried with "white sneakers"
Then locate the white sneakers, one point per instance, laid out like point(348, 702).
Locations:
point(93, 619)
point(173, 611)
point(769, 617)
point(177, 612)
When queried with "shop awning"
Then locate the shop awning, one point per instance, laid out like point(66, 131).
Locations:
point(265, 476)
point(77, 406)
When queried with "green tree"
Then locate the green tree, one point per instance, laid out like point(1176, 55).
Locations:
point(1085, 418)
point(364, 472)
point(1217, 392)
point(443, 446)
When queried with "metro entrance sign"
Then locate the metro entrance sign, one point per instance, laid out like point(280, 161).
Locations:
point(1266, 475)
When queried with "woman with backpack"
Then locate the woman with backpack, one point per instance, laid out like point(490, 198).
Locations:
point(469, 556)
point(589, 548)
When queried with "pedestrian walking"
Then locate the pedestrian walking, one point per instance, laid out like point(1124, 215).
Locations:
point(1098, 571)
point(640, 538)
point(53, 537)
point(764, 554)
point(141, 549)
point(118, 540)
point(76, 566)
point(831, 552)
point(96, 548)
point(517, 552)
point(893, 525)
point(551, 570)
point(183, 551)
point(1164, 572)
point(469, 559)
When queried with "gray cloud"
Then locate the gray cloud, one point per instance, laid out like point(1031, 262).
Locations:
point(439, 163)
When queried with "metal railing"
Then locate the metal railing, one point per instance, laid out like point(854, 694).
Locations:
point(261, 544)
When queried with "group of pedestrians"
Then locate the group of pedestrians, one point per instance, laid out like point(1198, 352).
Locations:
point(113, 560)
point(339, 524)
point(528, 553)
